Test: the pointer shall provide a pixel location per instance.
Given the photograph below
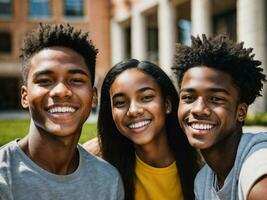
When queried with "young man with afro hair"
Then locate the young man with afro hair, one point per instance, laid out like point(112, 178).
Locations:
point(58, 68)
point(218, 79)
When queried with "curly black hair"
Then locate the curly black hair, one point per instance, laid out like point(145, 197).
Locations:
point(226, 55)
point(49, 35)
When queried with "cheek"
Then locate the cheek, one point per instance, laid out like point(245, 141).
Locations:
point(182, 110)
point(36, 89)
point(181, 119)
point(37, 94)
point(158, 108)
point(118, 118)
point(222, 112)
point(86, 96)
point(226, 115)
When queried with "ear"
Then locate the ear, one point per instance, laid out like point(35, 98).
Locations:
point(242, 112)
point(94, 98)
point(24, 97)
point(168, 105)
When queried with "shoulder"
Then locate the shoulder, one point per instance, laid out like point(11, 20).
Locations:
point(7, 150)
point(97, 164)
point(92, 146)
point(250, 143)
point(6, 154)
point(8, 146)
point(253, 137)
point(100, 173)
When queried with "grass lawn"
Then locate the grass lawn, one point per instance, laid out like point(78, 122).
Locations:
point(12, 129)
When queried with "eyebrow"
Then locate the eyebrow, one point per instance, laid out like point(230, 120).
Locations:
point(42, 72)
point(216, 90)
point(144, 89)
point(71, 71)
point(77, 71)
point(120, 94)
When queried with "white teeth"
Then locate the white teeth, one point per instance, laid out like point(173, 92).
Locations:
point(61, 110)
point(139, 124)
point(202, 126)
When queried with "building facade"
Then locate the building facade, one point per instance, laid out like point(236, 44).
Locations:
point(142, 29)
point(148, 29)
point(17, 17)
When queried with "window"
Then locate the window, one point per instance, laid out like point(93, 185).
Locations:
point(5, 8)
point(39, 8)
point(128, 45)
point(73, 8)
point(5, 42)
point(152, 45)
point(184, 32)
point(225, 23)
point(9, 98)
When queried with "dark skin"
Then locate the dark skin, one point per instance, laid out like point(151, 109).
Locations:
point(208, 112)
point(211, 115)
point(59, 96)
point(258, 191)
point(144, 102)
point(65, 161)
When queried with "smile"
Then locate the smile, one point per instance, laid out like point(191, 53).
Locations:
point(65, 109)
point(139, 124)
point(199, 126)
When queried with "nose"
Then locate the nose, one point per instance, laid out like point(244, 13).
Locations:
point(60, 90)
point(200, 108)
point(135, 110)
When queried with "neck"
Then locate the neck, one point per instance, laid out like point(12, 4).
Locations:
point(221, 157)
point(54, 154)
point(156, 154)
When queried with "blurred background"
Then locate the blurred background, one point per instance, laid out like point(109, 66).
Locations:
point(120, 29)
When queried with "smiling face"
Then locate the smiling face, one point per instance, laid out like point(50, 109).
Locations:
point(209, 109)
point(138, 108)
point(58, 94)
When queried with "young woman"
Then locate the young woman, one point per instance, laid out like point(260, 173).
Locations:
point(139, 133)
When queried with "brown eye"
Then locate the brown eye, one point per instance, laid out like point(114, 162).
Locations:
point(77, 81)
point(43, 81)
point(119, 104)
point(148, 98)
point(216, 99)
point(187, 98)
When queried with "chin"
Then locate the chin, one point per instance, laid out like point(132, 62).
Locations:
point(62, 130)
point(140, 142)
point(200, 145)
point(196, 143)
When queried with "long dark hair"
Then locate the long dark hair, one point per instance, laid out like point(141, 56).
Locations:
point(119, 150)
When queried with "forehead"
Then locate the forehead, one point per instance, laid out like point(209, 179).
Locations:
point(204, 78)
point(57, 58)
point(132, 80)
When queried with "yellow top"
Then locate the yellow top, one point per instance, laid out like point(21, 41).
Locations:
point(157, 183)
